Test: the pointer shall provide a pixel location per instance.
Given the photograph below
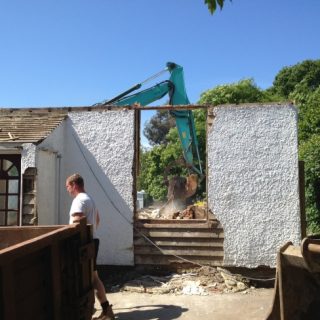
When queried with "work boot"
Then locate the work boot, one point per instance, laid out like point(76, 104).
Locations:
point(106, 314)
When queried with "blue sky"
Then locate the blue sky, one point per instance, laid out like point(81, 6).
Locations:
point(79, 52)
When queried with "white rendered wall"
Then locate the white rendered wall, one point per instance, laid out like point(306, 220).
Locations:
point(253, 181)
point(100, 146)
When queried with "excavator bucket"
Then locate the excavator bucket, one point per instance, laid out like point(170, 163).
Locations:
point(297, 286)
point(179, 189)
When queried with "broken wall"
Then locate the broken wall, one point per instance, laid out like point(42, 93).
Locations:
point(253, 180)
point(27, 156)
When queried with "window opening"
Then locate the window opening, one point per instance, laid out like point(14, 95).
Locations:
point(9, 189)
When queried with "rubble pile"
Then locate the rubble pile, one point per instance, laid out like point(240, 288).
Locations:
point(190, 212)
point(202, 281)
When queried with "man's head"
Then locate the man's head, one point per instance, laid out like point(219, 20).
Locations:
point(75, 184)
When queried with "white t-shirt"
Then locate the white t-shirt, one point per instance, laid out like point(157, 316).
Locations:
point(84, 204)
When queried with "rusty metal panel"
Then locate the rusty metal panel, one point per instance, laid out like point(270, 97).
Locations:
point(167, 242)
point(48, 273)
point(297, 286)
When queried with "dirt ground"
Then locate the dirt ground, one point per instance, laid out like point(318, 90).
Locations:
point(229, 306)
point(201, 293)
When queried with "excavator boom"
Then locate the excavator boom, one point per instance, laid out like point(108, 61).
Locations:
point(179, 188)
point(175, 88)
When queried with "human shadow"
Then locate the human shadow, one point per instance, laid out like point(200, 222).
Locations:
point(149, 312)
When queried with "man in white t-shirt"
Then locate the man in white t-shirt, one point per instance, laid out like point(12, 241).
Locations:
point(84, 206)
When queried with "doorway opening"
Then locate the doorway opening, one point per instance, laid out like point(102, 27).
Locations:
point(171, 176)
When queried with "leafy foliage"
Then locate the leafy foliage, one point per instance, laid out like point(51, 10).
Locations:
point(310, 153)
point(153, 165)
point(302, 77)
point(309, 116)
point(213, 4)
point(301, 84)
point(244, 91)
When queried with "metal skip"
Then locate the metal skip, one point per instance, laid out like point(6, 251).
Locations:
point(297, 286)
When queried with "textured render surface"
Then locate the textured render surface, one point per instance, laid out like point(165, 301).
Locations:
point(253, 181)
point(28, 156)
point(100, 146)
point(109, 137)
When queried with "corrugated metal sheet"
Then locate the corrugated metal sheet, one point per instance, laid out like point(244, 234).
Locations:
point(195, 241)
point(28, 125)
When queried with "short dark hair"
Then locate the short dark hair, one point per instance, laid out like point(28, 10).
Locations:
point(76, 179)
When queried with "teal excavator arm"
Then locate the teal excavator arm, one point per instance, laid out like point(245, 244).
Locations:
point(176, 90)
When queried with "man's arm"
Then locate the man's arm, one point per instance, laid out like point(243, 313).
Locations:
point(77, 216)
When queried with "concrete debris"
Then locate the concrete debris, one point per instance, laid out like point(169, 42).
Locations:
point(234, 282)
point(193, 288)
point(190, 212)
point(201, 281)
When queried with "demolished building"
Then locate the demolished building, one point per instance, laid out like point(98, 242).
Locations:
point(252, 182)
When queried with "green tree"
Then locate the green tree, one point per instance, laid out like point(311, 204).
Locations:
point(301, 78)
point(244, 91)
point(309, 116)
point(151, 172)
point(310, 153)
point(158, 126)
point(300, 83)
point(153, 167)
